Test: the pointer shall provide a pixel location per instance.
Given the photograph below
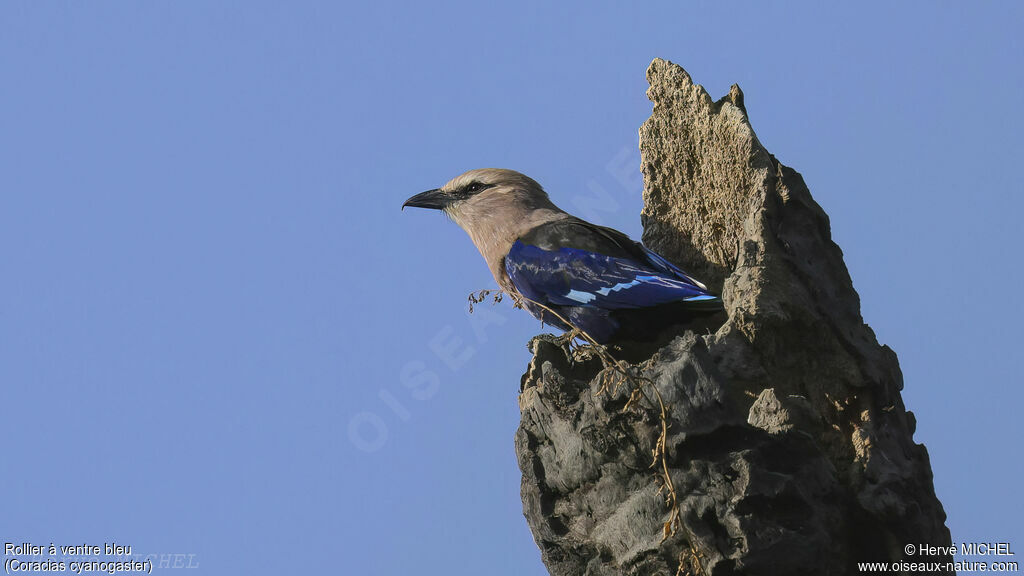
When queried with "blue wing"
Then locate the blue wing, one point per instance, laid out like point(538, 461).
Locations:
point(568, 276)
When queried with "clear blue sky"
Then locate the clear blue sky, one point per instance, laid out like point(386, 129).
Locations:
point(219, 335)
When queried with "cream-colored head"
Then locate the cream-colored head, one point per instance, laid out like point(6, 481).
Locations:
point(495, 207)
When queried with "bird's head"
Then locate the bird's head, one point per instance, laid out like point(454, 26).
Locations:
point(495, 207)
point(484, 193)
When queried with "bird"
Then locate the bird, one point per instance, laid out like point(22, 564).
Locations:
point(568, 273)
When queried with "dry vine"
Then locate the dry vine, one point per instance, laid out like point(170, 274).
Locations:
point(611, 381)
point(478, 297)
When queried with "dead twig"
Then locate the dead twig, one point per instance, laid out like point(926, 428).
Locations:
point(480, 296)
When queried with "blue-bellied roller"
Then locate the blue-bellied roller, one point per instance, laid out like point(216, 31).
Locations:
point(565, 270)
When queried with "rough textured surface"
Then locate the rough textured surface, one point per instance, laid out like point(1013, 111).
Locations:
point(789, 445)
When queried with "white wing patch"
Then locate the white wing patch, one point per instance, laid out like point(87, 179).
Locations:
point(617, 287)
point(581, 297)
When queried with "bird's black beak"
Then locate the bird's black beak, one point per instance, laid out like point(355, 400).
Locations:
point(434, 199)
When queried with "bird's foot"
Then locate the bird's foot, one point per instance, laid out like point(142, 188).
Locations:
point(575, 344)
point(567, 338)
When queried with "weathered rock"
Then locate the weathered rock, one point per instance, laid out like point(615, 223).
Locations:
point(789, 446)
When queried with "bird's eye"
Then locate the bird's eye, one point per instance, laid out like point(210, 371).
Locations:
point(474, 187)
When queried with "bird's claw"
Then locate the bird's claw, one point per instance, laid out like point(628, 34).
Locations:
point(568, 340)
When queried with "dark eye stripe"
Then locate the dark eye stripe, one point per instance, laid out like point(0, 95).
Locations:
point(473, 188)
